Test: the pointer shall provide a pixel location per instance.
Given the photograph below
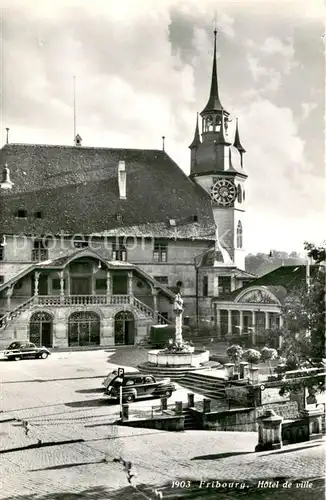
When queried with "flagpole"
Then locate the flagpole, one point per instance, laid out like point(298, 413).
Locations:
point(74, 108)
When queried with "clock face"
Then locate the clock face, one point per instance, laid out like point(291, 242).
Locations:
point(223, 192)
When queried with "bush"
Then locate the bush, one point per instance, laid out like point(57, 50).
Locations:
point(235, 353)
point(252, 356)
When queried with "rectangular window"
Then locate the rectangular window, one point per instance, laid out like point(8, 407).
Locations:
point(162, 279)
point(2, 253)
point(100, 284)
point(160, 251)
point(2, 279)
point(205, 286)
point(224, 284)
point(40, 250)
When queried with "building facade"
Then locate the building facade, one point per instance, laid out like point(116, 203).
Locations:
point(95, 242)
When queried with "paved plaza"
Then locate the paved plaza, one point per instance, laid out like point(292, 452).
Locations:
point(70, 424)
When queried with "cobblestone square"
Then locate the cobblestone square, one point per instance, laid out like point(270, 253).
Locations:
point(61, 399)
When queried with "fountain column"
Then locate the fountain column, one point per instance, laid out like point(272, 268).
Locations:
point(178, 309)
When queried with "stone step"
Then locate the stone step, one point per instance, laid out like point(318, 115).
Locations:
point(214, 394)
point(203, 383)
point(207, 377)
point(161, 372)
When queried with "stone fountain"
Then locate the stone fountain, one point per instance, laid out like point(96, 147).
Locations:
point(179, 356)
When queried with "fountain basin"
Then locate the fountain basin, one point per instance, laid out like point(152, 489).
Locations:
point(157, 357)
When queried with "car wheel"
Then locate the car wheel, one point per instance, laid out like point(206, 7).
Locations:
point(167, 393)
point(17, 358)
point(44, 355)
point(130, 398)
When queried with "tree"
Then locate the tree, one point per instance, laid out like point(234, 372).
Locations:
point(268, 355)
point(303, 313)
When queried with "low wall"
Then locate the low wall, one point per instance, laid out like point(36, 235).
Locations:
point(242, 419)
point(162, 423)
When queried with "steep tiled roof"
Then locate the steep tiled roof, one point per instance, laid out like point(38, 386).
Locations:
point(76, 190)
point(279, 282)
point(186, 230)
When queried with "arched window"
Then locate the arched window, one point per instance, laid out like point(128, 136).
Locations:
point(239, 194)
point(239, 235)
point(243, 195)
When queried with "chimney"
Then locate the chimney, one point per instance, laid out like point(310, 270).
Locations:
point(78, 140)
point(122, 180)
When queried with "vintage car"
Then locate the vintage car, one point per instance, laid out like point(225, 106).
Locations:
point(137, 386)
point(22, 349)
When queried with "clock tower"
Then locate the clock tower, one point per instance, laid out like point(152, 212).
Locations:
point(217, 166)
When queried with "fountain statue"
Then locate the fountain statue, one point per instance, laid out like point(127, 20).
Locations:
point(179, 356)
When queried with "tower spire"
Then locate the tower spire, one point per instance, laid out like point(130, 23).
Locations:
point(196, 140)
point(237, 142)
point(214, 103)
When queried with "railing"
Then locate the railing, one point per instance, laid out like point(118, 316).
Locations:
point(83, 300)
point(9, 316)
point(161, 320)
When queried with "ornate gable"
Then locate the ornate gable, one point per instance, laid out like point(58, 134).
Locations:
point(257, 296)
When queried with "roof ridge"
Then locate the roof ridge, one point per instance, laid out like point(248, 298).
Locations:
point(68, 146)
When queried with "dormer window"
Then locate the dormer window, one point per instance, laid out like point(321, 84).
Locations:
point(21, 214)
point(38, 215)
point(195, 218)
point(119, 217)
point(119, 252)
point(172, 222)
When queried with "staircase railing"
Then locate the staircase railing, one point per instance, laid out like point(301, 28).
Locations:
point(9, 316)
point(144, 308)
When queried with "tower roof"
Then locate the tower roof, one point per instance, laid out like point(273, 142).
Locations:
point(237, 142)
point(196, 140)
point(214, 103)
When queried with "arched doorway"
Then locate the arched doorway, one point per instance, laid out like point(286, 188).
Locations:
point(124, 328)
point(84, 329)
point(41, 329)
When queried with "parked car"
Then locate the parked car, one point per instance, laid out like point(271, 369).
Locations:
point(21, 350)
point(137, 386)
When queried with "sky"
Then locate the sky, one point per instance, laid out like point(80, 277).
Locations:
point(143, 70)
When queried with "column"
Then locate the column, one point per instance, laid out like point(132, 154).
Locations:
point(280, 337)
point(253, 336)
point(241, 322)
point(108, 283)
point(267, 321)
point(36, 280)
point(218, 320)
point(154, 292)
point(62, 287)
point(9, 295)
point(229, 321)
point(130, 283)
point(233, 283)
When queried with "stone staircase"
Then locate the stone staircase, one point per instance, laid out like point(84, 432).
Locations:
point(202, 382)
point(190, 422)
point(173, 373)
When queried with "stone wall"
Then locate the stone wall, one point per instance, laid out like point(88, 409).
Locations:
point(242, 419)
